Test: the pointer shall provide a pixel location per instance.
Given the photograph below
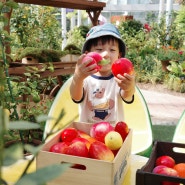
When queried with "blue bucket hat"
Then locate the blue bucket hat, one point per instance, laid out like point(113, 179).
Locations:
point(103, 30)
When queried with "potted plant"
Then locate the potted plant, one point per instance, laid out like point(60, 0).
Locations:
point(30, 55)
point(72, 53)
point(167, 54)
point(176, 76)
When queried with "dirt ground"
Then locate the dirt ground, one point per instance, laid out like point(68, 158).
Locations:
point(159, 88)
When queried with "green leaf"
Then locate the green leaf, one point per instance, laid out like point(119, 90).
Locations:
point(28, 74)
point(103, 62)
point(12, 154)
point(23, 125)
point(43, 175)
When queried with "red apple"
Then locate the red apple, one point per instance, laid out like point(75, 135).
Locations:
point(82, 140)
point(122, 128)
point(100, 129)
point(121, 66)
point(86, 136)
point(77, 148)
point(68, 134)
point(99, 150)
point(164, 170)
point(166, 161)
point(59, 147)
point(96, 59)
point(83, 134)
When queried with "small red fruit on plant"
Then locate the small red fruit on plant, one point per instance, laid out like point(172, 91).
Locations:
point(121, 66)
point(96, 59)
point(122, 128)
point(99, 150)
point(59, 147)
point(166, 161)
point(77, 148)
point(164, 170)
point(69, 134)
point(100, 129)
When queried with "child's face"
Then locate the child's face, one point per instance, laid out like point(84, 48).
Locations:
point(109, 51)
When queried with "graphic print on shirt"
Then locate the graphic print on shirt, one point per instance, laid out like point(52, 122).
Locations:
point(100, 105)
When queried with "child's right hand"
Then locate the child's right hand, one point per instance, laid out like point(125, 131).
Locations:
point(84, 68)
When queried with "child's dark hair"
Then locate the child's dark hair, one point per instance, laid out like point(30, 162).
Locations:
point(103, 39)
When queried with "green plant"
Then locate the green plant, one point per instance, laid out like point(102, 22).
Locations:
point(179, 22)
point(41, 54)
point(130, 27)
point(176, 76)
point(76, 37)
point(72, 49)
point(167, 54)
point(14, 153)
point(35, 26)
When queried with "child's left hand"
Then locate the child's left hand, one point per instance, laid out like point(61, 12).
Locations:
point(127, 84)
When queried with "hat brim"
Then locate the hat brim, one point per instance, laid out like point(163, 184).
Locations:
point(104, 33)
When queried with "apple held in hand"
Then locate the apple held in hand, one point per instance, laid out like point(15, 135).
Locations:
point(122, 128)
point(96, 59)
point(99, 150)
point(164, 170)
point(121, 66)
point(165, 160)
point(68, 134)
point(100, 129)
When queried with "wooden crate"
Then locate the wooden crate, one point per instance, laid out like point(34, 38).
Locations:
point(94, 171)
point(144, 176)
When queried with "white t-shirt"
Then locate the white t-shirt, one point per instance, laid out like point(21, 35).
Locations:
point(101, 100)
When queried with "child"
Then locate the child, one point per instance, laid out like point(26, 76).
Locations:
point(99, 93)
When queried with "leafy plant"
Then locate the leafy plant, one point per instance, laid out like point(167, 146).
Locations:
point(76, 37)
point(35, 26)
point(130, 27)
point(12, 154)
point(176, 77)
point(179, 21)
point(167, 53)
point(41, 54)
point(72, 49)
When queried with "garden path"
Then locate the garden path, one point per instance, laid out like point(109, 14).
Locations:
point(165, 106)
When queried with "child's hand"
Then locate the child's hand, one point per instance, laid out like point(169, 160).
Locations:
point(83, 69)
point(127, 84)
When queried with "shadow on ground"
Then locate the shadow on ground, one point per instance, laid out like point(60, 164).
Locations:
point(163, 132)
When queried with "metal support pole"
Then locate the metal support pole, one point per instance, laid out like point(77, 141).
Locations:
point(64, 30)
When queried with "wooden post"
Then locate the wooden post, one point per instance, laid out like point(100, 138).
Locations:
point(94, 17)
point(7, 15)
